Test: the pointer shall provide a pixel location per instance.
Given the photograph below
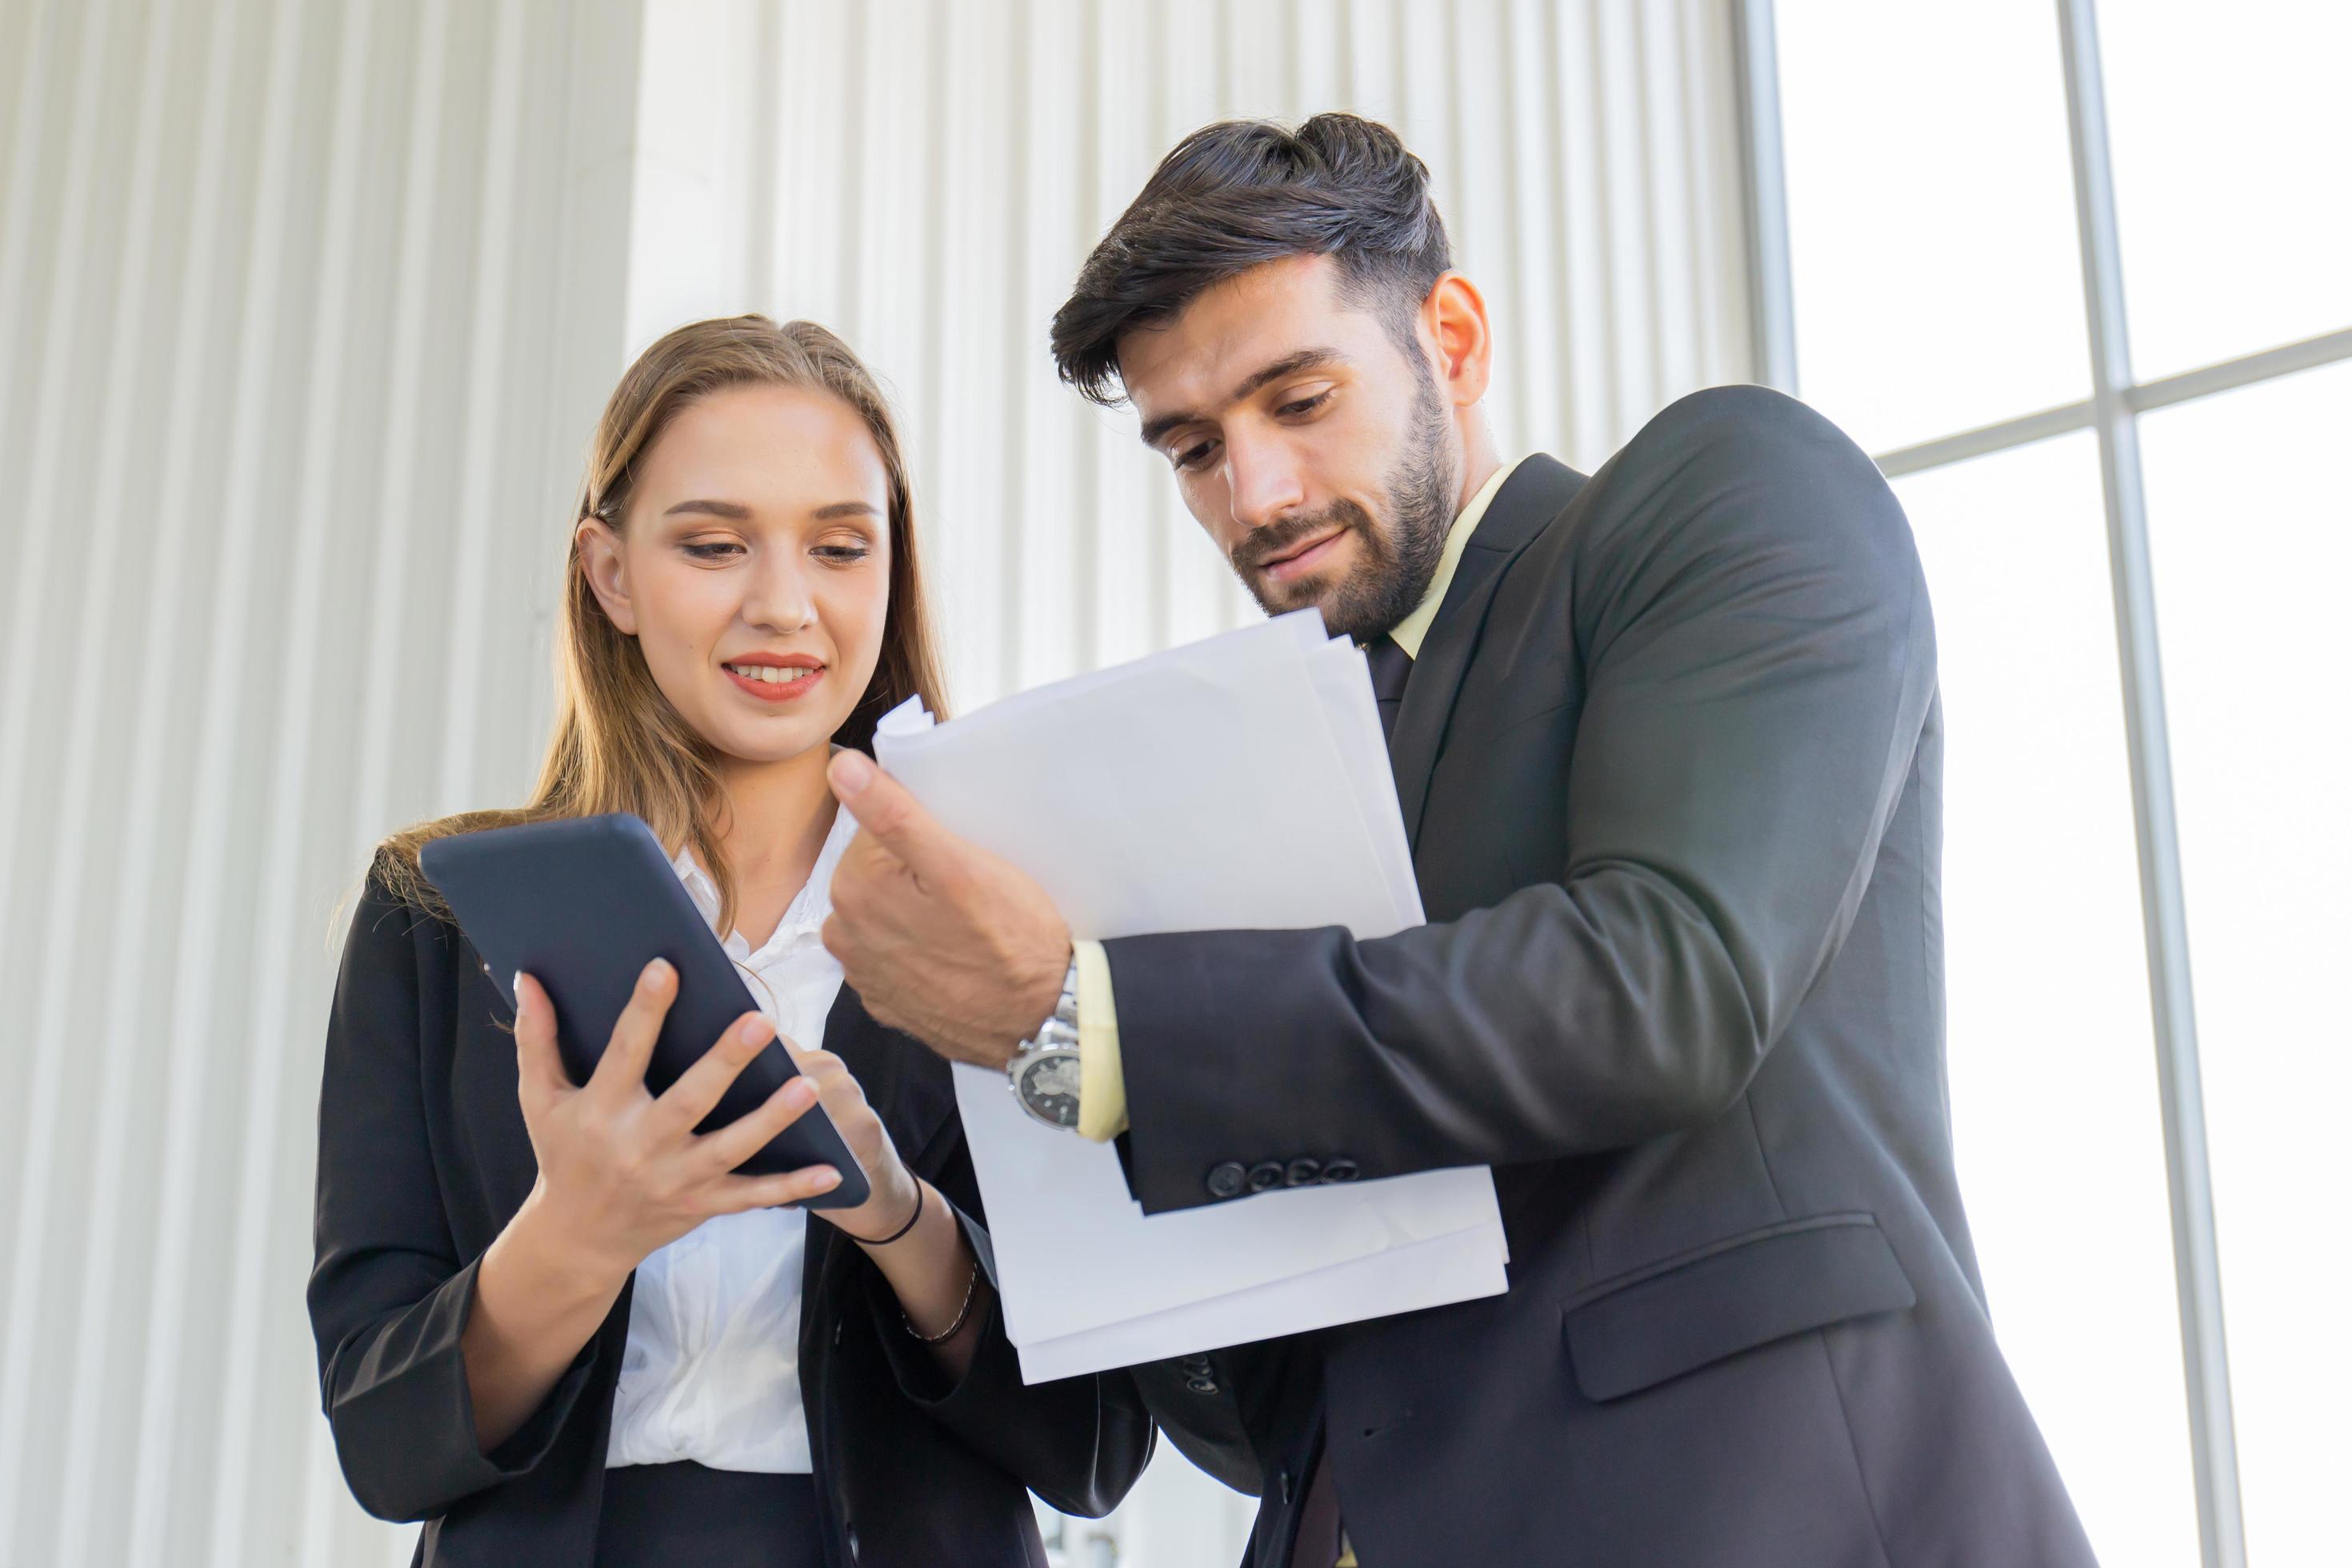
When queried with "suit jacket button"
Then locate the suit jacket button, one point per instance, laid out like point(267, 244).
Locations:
point(1265, 1175)
point(1340, 1171)
point(1301, 1174)
point(1202, 1384)
point(1226, 1181)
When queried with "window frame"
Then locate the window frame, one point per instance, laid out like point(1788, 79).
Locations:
point(2112, 409)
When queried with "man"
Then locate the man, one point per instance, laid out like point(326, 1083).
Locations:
point(1668, 747)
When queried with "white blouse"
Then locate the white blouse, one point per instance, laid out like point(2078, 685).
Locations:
point(712, 1369)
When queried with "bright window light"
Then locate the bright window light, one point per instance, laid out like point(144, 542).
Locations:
point(1931, 215)
point(2053, 1064)
point(2232, 138)
point(2251, 531)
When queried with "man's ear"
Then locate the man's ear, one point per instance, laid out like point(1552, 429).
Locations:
point(1453, 317)
point(608, 578)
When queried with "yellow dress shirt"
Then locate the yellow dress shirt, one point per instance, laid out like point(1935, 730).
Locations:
point(1102, 1080)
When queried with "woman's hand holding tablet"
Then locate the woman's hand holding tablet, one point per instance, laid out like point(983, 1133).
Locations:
point(622, 1172)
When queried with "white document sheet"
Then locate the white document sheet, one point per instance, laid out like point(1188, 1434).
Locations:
point(1064, 1200)
point(1239, 782)
point(1457, 1268)
point(1191, 791)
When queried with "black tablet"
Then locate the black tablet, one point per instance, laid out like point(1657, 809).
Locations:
point(583, 905)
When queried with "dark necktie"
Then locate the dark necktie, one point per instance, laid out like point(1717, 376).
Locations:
point(1317, 1544)
point(1392, 668)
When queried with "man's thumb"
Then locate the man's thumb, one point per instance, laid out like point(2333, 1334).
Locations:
point(883, 807)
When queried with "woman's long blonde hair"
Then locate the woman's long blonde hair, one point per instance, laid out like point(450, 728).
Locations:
point(618, 744)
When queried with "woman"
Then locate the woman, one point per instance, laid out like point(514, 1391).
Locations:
point(551, 1319)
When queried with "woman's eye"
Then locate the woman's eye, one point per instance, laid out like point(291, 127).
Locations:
point(843, 554)
point(1305, 405)
point(714, 550)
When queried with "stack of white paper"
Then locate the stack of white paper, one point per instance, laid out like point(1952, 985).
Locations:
point(1238, 783)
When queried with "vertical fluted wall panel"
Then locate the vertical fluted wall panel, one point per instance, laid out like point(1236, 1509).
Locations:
point(306, 306)
point(304, 310)
point(925, 176)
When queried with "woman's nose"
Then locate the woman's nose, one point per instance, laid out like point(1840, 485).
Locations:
point(777, 596)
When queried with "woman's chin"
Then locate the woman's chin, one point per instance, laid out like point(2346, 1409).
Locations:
point(779, 740)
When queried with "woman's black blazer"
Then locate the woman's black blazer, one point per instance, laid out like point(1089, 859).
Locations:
point(423, 1158)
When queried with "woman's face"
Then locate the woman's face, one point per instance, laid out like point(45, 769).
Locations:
point(753, 567)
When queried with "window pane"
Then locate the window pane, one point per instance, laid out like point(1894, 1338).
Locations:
point(2251, 533)
point(2054, 1111)
point(2231, 127)
point(1931, 215)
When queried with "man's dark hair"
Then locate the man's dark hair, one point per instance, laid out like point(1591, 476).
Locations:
point(1241, 192)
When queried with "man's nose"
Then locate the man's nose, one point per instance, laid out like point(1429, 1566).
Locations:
point(1266, 484)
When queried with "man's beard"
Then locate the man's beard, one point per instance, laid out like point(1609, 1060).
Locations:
point(1399, 558)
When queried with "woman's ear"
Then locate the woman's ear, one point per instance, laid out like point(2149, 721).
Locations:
point(608, 578)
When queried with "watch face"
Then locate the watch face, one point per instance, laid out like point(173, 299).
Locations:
point(1049, 1087)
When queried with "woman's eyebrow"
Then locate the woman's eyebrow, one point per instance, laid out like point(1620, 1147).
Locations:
point(715, 507)
point(741, 513)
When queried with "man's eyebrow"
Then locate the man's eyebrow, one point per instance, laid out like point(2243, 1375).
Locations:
point(1288, 365)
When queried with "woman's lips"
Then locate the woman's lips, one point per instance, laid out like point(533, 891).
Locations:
point(802, 681)
point(1306, 560)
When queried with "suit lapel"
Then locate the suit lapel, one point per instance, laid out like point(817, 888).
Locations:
point(851, 1034)
point(1533, 495)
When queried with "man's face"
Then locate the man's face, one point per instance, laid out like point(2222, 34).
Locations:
point(1320, 457)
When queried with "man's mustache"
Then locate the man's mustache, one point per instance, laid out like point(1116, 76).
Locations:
point(1281, 538)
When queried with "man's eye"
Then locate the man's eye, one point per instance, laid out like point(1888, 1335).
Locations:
point(1194, 456)
point(1305, 405)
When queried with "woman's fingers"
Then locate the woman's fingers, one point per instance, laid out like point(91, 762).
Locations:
point(685, 1103)
point(538, 1063)
point(843, 1097)
point(622, 1066)
point(735, 1195)
point(747, 1135)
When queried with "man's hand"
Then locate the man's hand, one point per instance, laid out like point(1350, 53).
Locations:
point(938, 937)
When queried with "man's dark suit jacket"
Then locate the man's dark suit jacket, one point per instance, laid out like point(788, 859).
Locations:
point(423, 1157)
point(1670, 761)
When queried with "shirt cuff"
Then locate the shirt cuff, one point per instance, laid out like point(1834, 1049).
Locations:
point(1102, 1081)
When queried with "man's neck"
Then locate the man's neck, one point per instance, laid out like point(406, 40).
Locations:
point(1479, 456)
point(1481, 468)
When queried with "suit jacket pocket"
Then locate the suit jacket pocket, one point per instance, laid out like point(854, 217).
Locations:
point(1634, 1333)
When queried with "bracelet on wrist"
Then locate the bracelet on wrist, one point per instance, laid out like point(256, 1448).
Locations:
point(971, 1293)
point(903, 1229)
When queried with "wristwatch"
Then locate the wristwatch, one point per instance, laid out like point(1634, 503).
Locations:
point(1044, 1072)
